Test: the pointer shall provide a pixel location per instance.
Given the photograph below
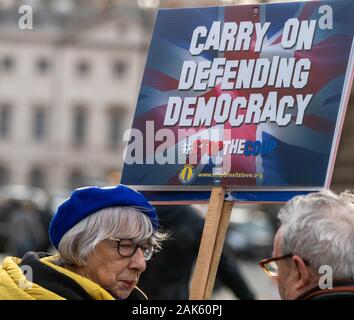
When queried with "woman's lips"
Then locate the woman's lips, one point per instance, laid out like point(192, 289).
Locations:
point(128, 284)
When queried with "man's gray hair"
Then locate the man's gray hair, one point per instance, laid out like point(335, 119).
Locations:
point(319, 227)
point(115, 222)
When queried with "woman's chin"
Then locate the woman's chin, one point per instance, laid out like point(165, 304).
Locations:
point(121, 291)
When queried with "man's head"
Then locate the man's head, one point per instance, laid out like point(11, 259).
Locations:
point(316, 230)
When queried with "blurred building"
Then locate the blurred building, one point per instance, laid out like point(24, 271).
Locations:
point(68, 90)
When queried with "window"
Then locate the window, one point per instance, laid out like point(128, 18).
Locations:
point(4, 176)
point(5, 118)
point(36, 178)
point(80, 126)
point(42, 66)
point(119, 68)
point(39, 124)
point(115, 122)
point(76, 180)
point(83, 68)
point(7, 64)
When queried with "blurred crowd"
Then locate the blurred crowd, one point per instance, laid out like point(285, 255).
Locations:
point(23, 226)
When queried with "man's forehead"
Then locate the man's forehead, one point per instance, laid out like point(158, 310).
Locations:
point(277, 243)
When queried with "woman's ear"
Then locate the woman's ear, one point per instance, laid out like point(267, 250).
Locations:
point(304, 273)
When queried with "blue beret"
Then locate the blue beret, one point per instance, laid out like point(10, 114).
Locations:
point(85, 201)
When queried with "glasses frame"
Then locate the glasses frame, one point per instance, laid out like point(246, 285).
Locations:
point(264, 262)
point(146, 258)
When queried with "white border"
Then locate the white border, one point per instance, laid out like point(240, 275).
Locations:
point(348, 81)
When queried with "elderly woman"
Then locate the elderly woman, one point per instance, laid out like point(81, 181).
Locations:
point(104, 237)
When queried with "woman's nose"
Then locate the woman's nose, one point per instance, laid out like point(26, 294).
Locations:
point(138, 261)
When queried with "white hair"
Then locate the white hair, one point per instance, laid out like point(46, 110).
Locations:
point(115, 222)
point(319, 227)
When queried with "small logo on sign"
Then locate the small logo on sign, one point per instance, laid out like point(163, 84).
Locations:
point(186, 174)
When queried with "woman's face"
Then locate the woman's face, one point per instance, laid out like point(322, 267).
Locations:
point(117, 274)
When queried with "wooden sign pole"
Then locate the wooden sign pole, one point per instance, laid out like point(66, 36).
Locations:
point(211, 245)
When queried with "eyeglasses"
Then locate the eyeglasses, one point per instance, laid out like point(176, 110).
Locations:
point(127, 248)
point(270, 267)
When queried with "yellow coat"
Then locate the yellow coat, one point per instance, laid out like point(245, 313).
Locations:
point(15, 286)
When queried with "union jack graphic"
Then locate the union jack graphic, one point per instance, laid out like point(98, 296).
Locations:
point(305, 154)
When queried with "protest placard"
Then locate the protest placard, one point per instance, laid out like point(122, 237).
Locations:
point(241, 99)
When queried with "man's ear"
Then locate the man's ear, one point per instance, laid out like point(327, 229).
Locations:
point(304, 274)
